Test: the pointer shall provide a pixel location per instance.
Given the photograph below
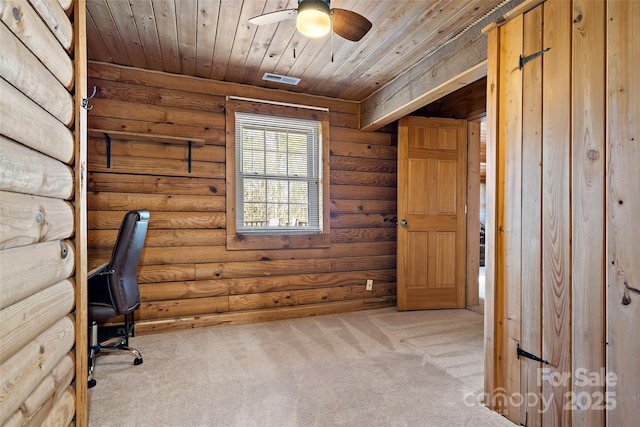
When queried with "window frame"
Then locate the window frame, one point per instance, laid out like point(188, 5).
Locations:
point(283, 239)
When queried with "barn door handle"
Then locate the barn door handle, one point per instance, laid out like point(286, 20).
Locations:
point(404, 223)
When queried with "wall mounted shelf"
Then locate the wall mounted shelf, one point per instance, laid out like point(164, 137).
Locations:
point(108, 135)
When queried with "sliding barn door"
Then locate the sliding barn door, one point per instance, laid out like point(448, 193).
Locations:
point(547, 290)
point(431, 213)
point(530, 117)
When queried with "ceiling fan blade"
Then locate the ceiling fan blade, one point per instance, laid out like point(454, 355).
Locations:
point(273, 17)
point(350, 25)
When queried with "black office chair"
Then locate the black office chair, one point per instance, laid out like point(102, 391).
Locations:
point(113, 290)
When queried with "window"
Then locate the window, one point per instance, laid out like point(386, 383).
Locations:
point(277, 176)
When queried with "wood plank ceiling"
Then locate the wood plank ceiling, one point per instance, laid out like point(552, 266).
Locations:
point(213, 39)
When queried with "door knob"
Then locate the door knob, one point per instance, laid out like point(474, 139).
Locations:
point(404, 223)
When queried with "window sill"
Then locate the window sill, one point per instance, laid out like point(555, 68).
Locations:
point(240, 242)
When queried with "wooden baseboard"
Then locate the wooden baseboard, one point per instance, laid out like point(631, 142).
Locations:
point(255, 316)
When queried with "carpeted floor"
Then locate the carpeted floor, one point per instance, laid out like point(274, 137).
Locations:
point(370, 368)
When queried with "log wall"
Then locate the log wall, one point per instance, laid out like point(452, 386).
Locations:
point(187, 277)
point(37, 226)
point(562, 236)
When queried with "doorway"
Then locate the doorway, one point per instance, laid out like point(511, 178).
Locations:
point(432, 213)
point(482, 214)
point(469, 103)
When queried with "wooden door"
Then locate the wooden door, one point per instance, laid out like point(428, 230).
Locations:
point(431, 213)
point(546, 262)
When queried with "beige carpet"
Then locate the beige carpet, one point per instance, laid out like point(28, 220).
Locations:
point(371, 368)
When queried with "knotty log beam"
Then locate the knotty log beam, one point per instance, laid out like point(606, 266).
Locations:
point(25, 121)
point(56, 19)
point(455, 65)
point(54, 385)
point(367, 151)
point(155, 202)
point(182, 308)
point(232, 270)
point(160, 291)
point(58, 411)
point(37, 407)
point(397, 100)
point(31, 172)
point(67, 5)
point(139, 128)
point(125, 109)
point(174, 220)
point(24, 22)
point(24, 371)
point(205, 305)
point(130, 183)
point(31, 219)
point(155, 166)
point(63, 409)
point(23, 321)
point(161, 238)
point(23, 70)
point(364, 192)
point(212, 253)
point(29, 269)
point(303, 297)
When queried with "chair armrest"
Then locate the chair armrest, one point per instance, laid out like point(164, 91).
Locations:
point(100, 270)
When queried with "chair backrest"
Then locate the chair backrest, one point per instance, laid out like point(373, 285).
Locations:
point(123, 283)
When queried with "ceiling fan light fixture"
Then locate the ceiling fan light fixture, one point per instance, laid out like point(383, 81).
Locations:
point(314, 18)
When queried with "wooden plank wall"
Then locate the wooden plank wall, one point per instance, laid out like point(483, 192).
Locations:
point(556, 200)
point(532, 212)
point(588, 156)
point(508, 240)
point(564, 214)
point(622, 154)
point(186, 275)
point(37, 251)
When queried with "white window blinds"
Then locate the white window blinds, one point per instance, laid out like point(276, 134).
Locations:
point(278, 175)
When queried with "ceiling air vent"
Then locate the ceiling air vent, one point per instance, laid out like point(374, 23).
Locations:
point(270, 77)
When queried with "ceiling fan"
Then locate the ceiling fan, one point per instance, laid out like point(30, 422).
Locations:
point(315, 18)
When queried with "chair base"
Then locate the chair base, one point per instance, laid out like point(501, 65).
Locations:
point(111, 345)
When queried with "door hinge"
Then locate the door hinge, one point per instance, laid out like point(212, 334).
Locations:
point(531, 57)
point(465, 209)
point(521, 352)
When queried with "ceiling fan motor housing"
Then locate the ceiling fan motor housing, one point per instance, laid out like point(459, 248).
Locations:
point(314, 18)
point(327, 2)
point(318, 5)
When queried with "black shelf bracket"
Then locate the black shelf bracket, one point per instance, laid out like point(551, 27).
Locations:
point(107, 141)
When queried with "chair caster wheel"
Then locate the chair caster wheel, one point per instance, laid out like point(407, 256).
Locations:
point(137, 361)
point(91, 383)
